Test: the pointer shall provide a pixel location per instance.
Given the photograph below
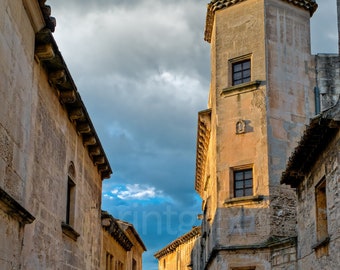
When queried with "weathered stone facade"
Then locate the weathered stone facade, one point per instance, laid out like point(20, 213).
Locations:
point(122, 246)
point(51, 161)
point(251, 127)
point(314, 171)
point(177, 255)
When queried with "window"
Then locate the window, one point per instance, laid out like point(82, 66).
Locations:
point(241, 72)
point(321, 211)
point(70, 202)
point(243, 183)
point(134, 264)
point(119, 265)
point(109, 261)
point(69, 223)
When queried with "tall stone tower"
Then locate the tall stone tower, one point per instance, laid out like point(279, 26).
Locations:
point(261, 97)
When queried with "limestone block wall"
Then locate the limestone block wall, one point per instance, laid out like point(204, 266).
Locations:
point(290, 81)
point(284, 258)
point(38, 142)
point(290, 100)
point(244, 259)
point(10, 248)
point(311, 253)
point(17, 95)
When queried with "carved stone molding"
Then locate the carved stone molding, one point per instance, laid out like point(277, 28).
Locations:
point(44, 52)
point(67, 96)
point(203, 137)
point(59, 77)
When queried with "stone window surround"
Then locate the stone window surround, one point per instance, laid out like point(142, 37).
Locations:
point(232, 170)
point(322, 235)
point(235, 60)
point(68, 224)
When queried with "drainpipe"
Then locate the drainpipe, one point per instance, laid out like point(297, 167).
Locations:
point(317, 99)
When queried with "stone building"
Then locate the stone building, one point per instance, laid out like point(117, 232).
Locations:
point(52, 163)
point(260, 100)
point(314, 171)
point(122, 246)
point(177, 255)
point(265, 87)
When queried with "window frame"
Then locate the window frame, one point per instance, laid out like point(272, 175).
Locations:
point(70, 202)
point(243, 69)
point(233, 171)
point(243, 180)
point(321, 214)
point(109, 261)
point(240, 60)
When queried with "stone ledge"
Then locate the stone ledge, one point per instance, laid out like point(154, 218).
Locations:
point(69, 231)
point(14, 209)
point(244, 200)
point(322, 243)
point(241, 88)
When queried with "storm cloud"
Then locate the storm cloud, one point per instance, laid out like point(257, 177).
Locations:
point(143, 71)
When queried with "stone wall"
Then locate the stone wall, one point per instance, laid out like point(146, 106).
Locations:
point(314, 253)
point(38, 142)
point(327, 67)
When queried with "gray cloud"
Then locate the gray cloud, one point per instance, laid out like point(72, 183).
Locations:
point(142, 69)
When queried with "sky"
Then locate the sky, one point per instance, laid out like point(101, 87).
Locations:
point(143, 71)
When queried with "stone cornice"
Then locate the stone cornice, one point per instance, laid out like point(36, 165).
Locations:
point(128, 227)
point(203, 137)
point(111, 225)
point(14, 209)
point(47, 52)
point(215, 5)
point(50, 22)
point(194, 233)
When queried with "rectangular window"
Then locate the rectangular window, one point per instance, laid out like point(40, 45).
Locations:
point(109, 261)
point(321, 211)
point(70, 203)
point(134, 264)
point(241, 72)
point(243, 183)
point(119, 265)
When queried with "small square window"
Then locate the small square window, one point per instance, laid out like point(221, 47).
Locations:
point(243, 183)
point(241, 72)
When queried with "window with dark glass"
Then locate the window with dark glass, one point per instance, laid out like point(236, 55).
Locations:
point(243, 183)
point(241, 72)
point(134, 264)
point(70, 203)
